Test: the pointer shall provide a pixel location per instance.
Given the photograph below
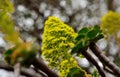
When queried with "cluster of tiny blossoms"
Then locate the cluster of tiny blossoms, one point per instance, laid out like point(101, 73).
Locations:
point(111, 22)
point(58, 39)
point(65, 66)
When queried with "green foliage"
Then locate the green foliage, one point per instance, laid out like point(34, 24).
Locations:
point(6, 23)
point(95, 74)
point(76, 72)
point(24, 54)
point(85, 36)
point(21, 52)
point(6, 6)
point(110, 24)
point(58, 39)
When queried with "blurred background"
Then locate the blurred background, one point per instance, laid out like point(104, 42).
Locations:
point(30, 15)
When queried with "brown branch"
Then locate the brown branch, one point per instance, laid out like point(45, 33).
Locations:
point(2, 50)
point(94, 62)
point(38, 63)
point(17, 70)
point(34, 5)
point(108, 70)
point(104, 59)
point(40, 72)
point(110, 5)
point(23, 71)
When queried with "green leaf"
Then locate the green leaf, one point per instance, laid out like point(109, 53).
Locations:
point(95, 74)
point(96, 27)
point(97, 38)
point(85, 37)
point(7, 55)
point(85, 43)
point(10, 51)
point(79, 37)
point(84, 30)
point(23, 53)
point(92, 34)
point(95, 34)
point(76, 48)
point(82, 45)
point(76, 72)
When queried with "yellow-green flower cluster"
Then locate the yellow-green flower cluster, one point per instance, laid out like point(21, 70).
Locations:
point(6, 22)
point(6, 6)
point(58, 39)
point(57, 35)
point(66, 65)
point(111, 22)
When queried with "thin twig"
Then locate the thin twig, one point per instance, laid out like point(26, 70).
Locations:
point(110, 5)
point(17, 70)
point(38, 63)
point(39, 71)
point(94, 62)
point(108, 70)
point(104, 59)
point(23, 71)
point(2, 49)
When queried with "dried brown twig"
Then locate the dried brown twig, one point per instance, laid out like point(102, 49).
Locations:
point(104, 59)
point(38, 63)
point(24, 71)
point(94, 62)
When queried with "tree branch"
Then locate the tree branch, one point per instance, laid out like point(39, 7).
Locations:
point(108, 70)
point(94, 62)
point(40, 72)
point(17, 70)
point(38, 63)
point(104, 59)
point(24, 71)
point(110, 5)
point(2, 49)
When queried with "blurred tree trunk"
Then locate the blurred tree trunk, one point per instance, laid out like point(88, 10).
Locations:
point(110, 4)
